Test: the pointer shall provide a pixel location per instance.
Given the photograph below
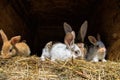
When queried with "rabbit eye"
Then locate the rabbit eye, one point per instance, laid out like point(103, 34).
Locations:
point(76, 52)
point(97, 46)
point(11, 49)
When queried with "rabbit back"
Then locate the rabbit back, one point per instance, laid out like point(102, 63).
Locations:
point(22, 49)
point(59, 51)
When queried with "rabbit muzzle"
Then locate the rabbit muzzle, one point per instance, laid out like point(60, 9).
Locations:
point(102, 50)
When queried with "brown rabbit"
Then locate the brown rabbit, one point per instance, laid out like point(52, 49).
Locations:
point(82, 34)
point(13, 46)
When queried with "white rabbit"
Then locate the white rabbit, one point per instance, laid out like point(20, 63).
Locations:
point(13, 46)
point(97, 51)
point(63, 51)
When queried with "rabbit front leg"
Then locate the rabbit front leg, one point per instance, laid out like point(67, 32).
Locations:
point(52, 60)
point(95, 59)
point(103, 60)
point(45, 54)
point(42, 58)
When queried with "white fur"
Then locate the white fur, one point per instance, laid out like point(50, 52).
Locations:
point(46, 51)
point(59, 51)
point(45, 54)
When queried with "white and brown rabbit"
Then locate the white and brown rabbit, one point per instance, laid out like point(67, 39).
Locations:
point(82, 34)
point(68, 49)
point(97, 51)
point(13, 46)
point(63, 51)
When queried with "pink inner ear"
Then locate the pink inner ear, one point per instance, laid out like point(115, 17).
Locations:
point(92, 39)
point(68, 39)
point(15, 39)
point(73, 34)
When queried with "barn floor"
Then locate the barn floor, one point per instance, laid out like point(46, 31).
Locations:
point(31, 68)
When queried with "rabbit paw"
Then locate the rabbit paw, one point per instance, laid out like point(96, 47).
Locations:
point(103, 60)
point(52, 60)
point(42, 58)
point(95, 60)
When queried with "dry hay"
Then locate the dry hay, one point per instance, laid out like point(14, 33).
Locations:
point(31, 68)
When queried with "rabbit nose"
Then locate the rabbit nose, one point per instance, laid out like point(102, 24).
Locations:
point(102, 50)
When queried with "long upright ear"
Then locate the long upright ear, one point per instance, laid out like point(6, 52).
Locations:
point(15, 39)
point(69, 38)
point(92, 39)
point(98, 37)
point(3, 35)
point(67, 27)
point(83, 30)
point(73, 40)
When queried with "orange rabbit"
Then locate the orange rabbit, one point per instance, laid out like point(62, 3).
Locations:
point(13, 46)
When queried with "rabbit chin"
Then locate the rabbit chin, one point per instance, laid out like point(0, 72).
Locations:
point(74, 56)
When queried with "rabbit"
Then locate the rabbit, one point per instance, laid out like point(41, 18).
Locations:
point(13, 47)
point(63, 51)
point(82, 34)
point(83, 49)
point(67, 50)
point(68, 37)
point(46, 50)
point(97, 51)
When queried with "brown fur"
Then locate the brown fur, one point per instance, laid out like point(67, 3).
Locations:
point(13, 46)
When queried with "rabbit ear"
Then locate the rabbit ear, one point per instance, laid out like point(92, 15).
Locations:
point(3, 35)
point(15, 39)
point(98, 37)
point(67, 27)
point(92, 39)
point(69, 38)
point(83, 30)
point(80, 45)
point(73, 40)
point(73, 34)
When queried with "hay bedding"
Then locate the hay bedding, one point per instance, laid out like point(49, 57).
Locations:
point(31, 68)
